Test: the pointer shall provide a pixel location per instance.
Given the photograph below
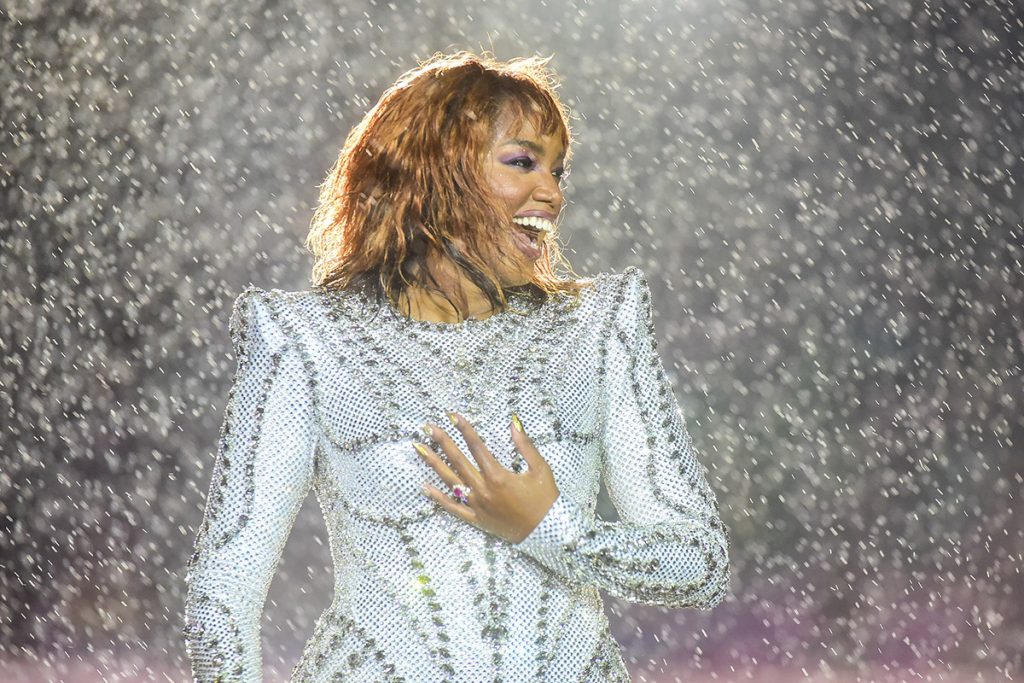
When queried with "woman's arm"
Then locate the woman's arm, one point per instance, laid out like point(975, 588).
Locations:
point(670, 546)
point(261, 476)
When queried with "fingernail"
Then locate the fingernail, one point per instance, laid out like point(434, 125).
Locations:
point(428, 431)
point(420, 448)
point(516, 423)
point(454, 419)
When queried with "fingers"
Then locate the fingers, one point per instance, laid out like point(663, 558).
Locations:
point(488, 465)
point(461, 469)
point(433, 460)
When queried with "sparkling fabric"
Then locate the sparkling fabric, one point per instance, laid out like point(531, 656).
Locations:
point(329, 394)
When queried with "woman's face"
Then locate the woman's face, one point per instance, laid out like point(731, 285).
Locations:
point(524, 172)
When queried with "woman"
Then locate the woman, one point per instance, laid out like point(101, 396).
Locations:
point(464, 550)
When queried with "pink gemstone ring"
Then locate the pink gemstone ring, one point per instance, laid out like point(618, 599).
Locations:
point(460, 492)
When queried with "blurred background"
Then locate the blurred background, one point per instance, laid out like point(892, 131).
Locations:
point(826, 198)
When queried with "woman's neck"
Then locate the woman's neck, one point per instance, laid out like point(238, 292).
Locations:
point(422, 304)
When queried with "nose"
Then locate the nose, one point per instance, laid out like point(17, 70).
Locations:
point(549, 191)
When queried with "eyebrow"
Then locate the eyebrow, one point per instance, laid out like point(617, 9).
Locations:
point(530, 144)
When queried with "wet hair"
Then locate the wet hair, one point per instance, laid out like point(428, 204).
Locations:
point(410, 178)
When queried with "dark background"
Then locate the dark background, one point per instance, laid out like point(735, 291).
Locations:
point(826, 197)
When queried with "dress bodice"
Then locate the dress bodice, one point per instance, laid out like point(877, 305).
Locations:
point(329, 394)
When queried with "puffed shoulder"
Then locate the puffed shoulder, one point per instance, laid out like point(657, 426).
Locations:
point(630, 302)
point(258, 318)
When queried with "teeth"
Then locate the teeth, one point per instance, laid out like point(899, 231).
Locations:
point(535, 222)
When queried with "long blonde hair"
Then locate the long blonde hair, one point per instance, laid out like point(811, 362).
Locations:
point(410, 177)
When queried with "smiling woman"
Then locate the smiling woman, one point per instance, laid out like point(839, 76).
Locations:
point(466, 550)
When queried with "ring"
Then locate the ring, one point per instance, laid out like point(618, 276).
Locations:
point(460, 492)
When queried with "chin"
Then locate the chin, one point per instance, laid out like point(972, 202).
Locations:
point(523, 275)
point(521, 279)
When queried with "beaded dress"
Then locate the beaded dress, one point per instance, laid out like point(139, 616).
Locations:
point(329, 393)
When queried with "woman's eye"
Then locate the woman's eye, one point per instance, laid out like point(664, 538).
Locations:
point(527, 162)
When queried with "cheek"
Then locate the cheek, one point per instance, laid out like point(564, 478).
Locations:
point(506, 187)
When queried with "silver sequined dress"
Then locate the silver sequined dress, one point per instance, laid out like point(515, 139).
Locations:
point(329, 394)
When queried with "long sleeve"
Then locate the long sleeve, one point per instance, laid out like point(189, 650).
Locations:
point(262, 473)
point(670, 546)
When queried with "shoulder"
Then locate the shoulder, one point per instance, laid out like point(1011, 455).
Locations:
point(625, 299)
point(269, 315)
point(631, 277)
point(617, 302)
point(618, 289)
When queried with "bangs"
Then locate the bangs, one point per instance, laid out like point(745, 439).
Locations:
point(540, 112)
